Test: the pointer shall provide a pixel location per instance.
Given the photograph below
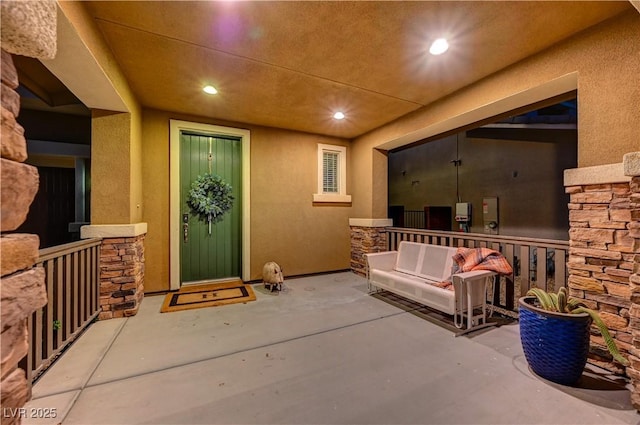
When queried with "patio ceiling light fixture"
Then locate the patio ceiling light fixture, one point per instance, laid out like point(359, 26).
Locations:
point(439, 46)
point(339, 115)
point(210, 90)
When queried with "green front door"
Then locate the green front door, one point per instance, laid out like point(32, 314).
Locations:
point(209, 254)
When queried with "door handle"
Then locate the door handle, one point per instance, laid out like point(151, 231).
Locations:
point(185, 227)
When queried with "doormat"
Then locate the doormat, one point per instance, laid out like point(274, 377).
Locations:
point(210, 295)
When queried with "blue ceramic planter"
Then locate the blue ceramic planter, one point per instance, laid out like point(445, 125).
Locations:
point(555, 345)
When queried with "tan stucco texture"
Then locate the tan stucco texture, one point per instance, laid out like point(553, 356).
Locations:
point(285, 225)
point(605, 60)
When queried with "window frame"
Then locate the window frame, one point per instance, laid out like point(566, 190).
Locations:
point(341, 195)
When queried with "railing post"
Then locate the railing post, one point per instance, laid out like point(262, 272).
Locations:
point(122, 266)
point(367, 236)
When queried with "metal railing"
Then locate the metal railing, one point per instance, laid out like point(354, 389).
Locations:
point(523, 254)
point(72, 279)
point(414, 219)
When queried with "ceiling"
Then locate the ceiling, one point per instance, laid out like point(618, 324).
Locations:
point(293, 64)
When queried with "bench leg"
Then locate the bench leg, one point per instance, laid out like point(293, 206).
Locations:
point(475, 328)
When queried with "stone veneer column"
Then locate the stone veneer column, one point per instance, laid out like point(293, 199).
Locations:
point(28, 29)
point(601, 252)
point(121, 267)
point(632, 169)
point(22, 288)
point(367, 235)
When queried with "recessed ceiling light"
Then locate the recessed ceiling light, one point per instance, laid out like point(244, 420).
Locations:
point(338, 115)
point(210, 89)
point(439, 46)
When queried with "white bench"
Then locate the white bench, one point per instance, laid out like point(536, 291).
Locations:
point(412, 271)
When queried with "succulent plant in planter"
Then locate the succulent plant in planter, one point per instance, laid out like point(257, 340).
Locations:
point(554, 331)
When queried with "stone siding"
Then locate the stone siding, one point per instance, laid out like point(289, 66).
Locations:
point(121, 276)
point(365, 240)
point(604, 257)
point(634, 282)
point(601, 261)
point(22, 286)
point(28, 29)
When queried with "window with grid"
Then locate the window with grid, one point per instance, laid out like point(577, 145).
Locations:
point(332, 174)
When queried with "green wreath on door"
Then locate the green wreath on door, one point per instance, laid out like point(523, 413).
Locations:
point(210, 198)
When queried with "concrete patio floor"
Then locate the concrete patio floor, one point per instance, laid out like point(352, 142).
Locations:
point(323, 351)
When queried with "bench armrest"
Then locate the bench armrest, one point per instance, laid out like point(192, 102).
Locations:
point(472, 275)
point(381, 260)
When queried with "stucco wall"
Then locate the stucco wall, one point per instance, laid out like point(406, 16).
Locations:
point(116, 196)
point(604, 59)
point(110, 167)
point(369, 171)
point(136, 204)
point(285, 226)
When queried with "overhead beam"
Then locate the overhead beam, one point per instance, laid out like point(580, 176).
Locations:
point(78, 69)
point(512, 104)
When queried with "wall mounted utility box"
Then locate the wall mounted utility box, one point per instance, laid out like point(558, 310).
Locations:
point(490, 215)
point(463, 212)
